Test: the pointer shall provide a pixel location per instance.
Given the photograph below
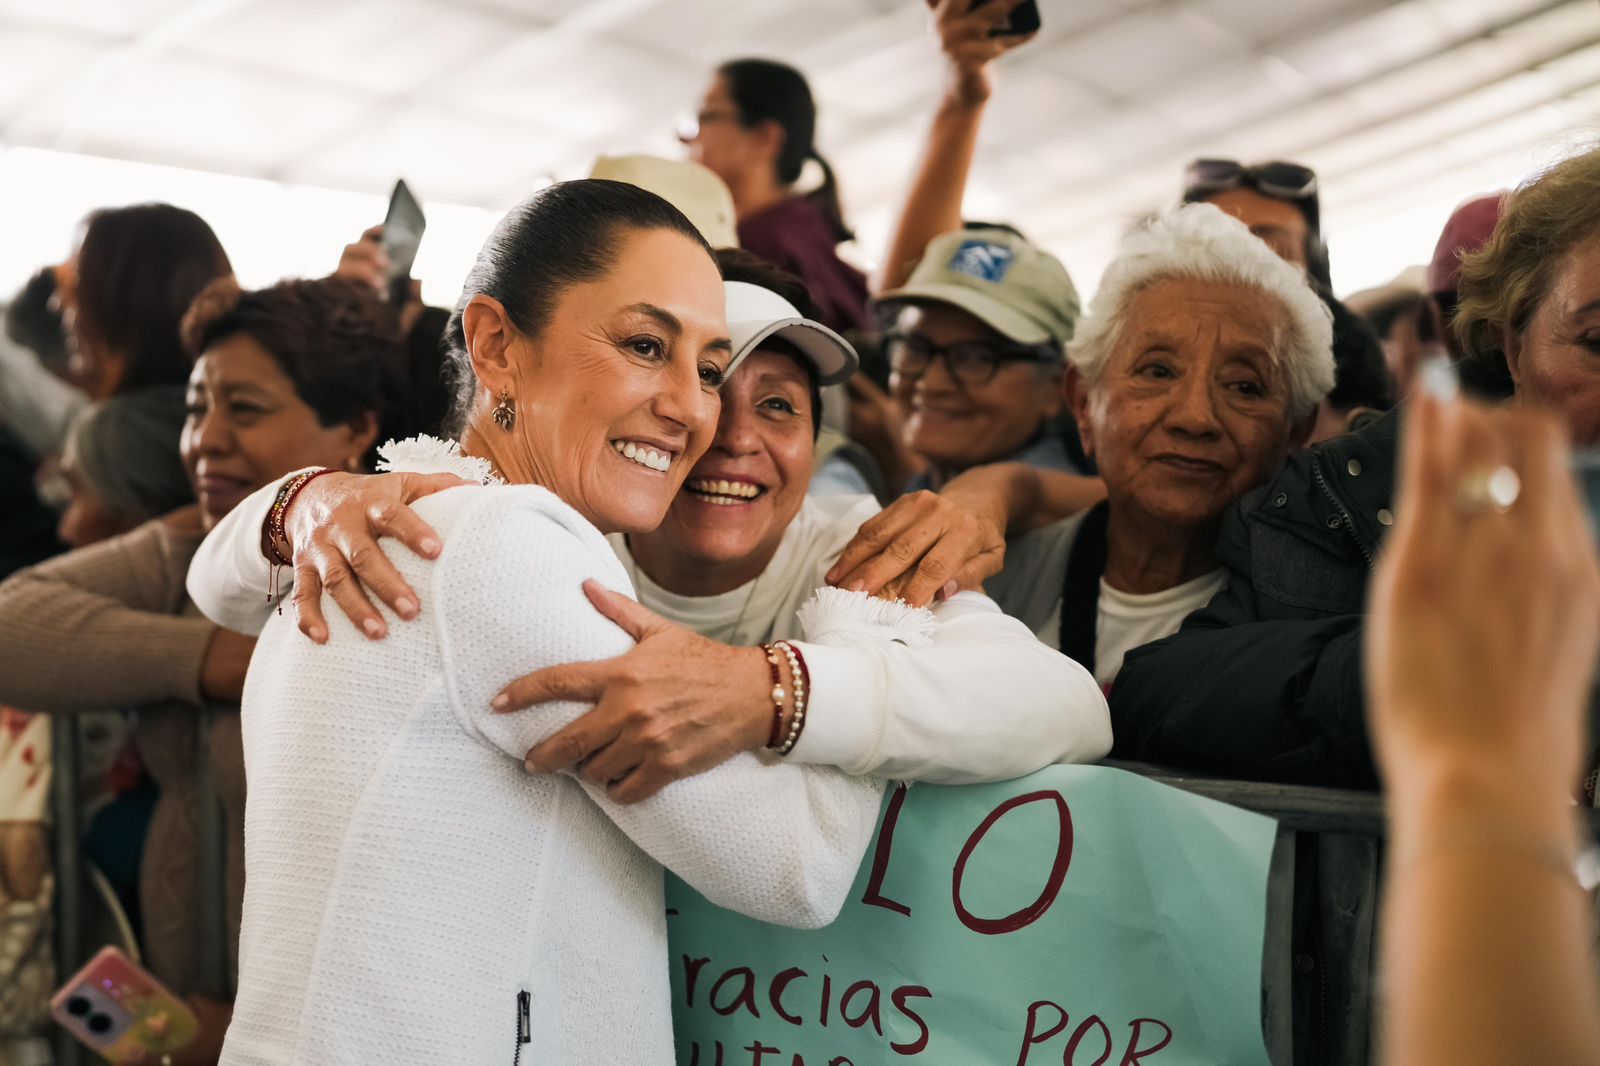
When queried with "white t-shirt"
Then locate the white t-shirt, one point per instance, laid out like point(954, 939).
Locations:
point(1029, 589)
point(1127, 620)
point(764, 609)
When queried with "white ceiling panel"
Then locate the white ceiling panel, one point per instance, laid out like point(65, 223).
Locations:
point(98, 18)
point(33, 60)
point(478, 101)
point(442, 154)
point(1143, 52)
point(189, 112)
point(375, 47)
point(1271, 20)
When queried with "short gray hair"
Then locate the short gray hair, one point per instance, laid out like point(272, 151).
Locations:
point(1200, 241)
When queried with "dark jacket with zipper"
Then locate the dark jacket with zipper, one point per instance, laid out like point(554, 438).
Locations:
point(1265, 682)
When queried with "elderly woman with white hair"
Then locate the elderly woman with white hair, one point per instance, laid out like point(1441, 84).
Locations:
point(1197, 369)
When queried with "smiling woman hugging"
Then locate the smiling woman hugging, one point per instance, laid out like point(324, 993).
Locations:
point(412, 894)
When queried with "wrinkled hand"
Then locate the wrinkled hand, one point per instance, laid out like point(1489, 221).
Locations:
point(967, 37)
point(226, 661)
point(333, 527)
point(924, 546)
point(1484, 627)
point(676, 705)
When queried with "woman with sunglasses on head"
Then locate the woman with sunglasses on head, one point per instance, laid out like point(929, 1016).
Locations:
point(1276, 201)
point(755, 129)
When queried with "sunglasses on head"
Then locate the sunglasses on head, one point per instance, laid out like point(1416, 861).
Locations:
point(1285, 181)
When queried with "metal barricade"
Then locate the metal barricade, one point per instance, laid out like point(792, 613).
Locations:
point(1337, 835)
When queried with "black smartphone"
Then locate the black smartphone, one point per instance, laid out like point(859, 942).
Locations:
point(1024, 19)
point(402, 236)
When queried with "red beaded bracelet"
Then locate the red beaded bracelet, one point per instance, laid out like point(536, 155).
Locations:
point(776, 737)
point(273, 530)
point(800, 678)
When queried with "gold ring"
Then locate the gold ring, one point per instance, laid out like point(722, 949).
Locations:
point(1491, 490)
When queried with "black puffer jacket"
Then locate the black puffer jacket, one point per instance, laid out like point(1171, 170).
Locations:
point(1265, 682)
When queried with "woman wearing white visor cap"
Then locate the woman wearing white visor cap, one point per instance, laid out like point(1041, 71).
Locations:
point(956, 693)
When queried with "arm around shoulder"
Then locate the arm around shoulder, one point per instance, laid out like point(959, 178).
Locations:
point(985, 702)
point(778, 842)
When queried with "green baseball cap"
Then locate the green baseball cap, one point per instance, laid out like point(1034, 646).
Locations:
point(1018, 289)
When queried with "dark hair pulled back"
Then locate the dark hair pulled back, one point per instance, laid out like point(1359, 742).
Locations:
point(139, 268)
point(767, 91)
point(337, 342)
point(563, 235)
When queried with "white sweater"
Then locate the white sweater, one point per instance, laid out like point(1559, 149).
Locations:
point(406, 879)
point(987, 702)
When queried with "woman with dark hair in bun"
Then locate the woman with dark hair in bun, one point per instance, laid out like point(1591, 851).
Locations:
point(755, 128)
point(297, 375)
point(415, 895)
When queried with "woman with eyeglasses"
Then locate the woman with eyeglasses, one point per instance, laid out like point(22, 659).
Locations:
point(975, 356)
point(1199, 365)
point(755, 128)
point(1276, 201)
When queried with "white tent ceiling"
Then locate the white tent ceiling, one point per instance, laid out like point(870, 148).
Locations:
point(1404, 108)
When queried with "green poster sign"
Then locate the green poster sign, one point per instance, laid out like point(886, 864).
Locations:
point(1081, 915)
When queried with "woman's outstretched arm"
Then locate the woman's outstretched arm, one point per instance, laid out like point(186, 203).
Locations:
point(776, 841)
point(933, 202)
point(1481, 647)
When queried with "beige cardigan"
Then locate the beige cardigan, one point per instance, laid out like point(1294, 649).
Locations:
point(111, 626)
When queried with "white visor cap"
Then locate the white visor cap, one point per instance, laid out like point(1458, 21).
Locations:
point(756, 313)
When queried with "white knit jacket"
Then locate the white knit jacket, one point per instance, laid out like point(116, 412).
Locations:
point(406, 879)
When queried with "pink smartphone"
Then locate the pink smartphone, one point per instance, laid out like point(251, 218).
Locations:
point(119, 1010)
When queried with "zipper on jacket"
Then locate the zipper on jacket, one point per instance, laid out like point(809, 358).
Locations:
point(524, 1025)
point(1344, 514)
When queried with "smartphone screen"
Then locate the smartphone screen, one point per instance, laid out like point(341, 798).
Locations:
point(402, 236)
point(1023, 21)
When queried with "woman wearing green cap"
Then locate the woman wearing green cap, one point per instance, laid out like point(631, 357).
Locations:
point(975, 354)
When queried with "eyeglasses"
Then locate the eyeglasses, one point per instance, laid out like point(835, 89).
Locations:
point(972, 362)
point(1285, 181)
point(690, 125)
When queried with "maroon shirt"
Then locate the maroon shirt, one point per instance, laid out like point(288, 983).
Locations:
point(795, 236)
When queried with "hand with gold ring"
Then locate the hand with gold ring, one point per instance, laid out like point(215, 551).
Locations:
point(1482, 637)
point(1488, 490)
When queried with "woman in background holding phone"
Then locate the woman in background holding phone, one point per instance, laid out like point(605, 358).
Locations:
point(972, 36)
point(755, 129)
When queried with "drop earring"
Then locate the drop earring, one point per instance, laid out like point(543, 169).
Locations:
point(505, 412)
